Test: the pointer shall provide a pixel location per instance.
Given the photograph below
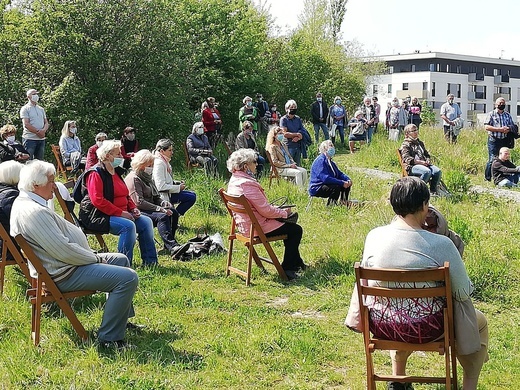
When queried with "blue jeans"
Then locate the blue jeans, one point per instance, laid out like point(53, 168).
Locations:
point(185, 199)
point(317, 127)
point(35, 148)
point(430, 174)
point(512, 181)
point(341, 131)
point(370, 133)
point(127, 231)
point(118, 280)
point(166, 226)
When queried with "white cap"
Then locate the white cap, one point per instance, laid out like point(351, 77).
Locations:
point(358, 113)
point(31, 91)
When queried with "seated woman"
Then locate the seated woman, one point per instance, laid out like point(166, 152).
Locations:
point(246, 140)
point(9, 177)
point(70, 147)
point(172, 191)
point(108, 207)
point(145, 195)
point(10, 149)
point(200, 150)
point(417, 159)
point(357, 127)
point(242, 165)
point(404, 244)
point(91, 154)
point(129, 146)
point(327, 181)
point(281, 158)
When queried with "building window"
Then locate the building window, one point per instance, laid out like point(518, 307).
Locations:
point(497, 72)
point(484, 70)
point(425, 86)
point(480, 91)
point(437, 105)
point(447, 68)
point(374, 89)
point(413, 68)
point(390, 69)
point(459, 69)
point(518, 110)
point(432, 67)
point(405, 86)
point(433, 89)
point(454, 89)
point(389, 89)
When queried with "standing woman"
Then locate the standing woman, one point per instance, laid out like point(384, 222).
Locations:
point(248, 112)
point(173, 191)
point(242, 165)
point(129, 146)
point(200, 150)
point(107, 206)
point(70, 147)
point(145, 195)
point(212, 121)
point(415, 112)
point(337, 114)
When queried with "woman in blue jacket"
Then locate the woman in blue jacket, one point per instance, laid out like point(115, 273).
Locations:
point(327, 181)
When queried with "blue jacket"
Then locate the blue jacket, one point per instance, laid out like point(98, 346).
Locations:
point(322, 173)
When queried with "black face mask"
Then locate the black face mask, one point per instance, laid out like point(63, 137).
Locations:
point(501, 107)
point(292, 111)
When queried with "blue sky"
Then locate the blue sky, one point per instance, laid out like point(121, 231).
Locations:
point(473, 27)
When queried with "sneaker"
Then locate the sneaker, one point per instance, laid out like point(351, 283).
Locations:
point(398, 386)
point(117, 345)
point(179, 250)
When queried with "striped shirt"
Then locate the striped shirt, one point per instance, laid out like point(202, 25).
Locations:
point(495, 119)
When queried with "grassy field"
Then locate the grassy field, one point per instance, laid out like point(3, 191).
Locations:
point(206, 331)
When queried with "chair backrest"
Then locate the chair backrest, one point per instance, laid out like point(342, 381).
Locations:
point(404, 173)
point(273, 172)
point(66, 212)
point(189, 163)
point(60, 167)
point(8, 246)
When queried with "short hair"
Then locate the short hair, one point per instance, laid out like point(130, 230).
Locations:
point(239, 158)
point(325, 145)
point(7, 129)
point(375, 98)
point(65, 129)
point(107, 147)
point(409, 128)
point(210, 100)
point(451, 95)
point(30, 91)
point(10, 172)
point(366, 98)
point(99, 135)
point(246, 99)
point(500, 152)
point(128, 129)
point(163, 144)
point(290, 103)
point(196, 125)
point(409, 195)
point(142, 158)
point(336, 98)
point(35, 173)
point(246, 124)
point(357, 113)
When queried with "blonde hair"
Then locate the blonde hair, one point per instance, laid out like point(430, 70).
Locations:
point(65, 129)
point(141, 159)
point(271, 136)
point(107, 147)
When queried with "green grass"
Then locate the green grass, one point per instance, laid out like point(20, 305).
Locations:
point(205, 330)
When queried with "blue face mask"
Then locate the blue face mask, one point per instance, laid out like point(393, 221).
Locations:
point(249, 103)
point(331, 152)
point(280, 137)
point(117, 162)
point(338, 101)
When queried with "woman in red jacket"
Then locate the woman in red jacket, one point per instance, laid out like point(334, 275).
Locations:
point(212, 121)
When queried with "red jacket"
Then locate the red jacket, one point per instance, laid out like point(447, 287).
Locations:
point(209, 120)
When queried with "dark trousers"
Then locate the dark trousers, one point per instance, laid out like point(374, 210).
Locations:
point(185, 199)
point(292, 260)
point(449, 135)
point(166, 226)
point(334, 193)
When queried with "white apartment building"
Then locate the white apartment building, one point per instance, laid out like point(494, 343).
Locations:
point(476, 82)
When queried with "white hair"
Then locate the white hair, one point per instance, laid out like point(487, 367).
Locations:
point(10, 172)
point(325, 145)
point(141, 159)
point(196, 125)
point(35, 173)
point(107, 147)
point(99, 135)
point(246, 99)
point(289, 104)
point(239, 158)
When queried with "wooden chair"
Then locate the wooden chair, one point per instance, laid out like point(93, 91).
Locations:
point(45, 290)
point(444, 345)
point(72, 218)
point(8, 246)
point(61, 168)
point(239, 204)
point(273, 171)
point(189, 163)
point(404, 173)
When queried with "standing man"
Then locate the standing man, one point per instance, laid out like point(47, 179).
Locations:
point(498, 123)
point(319, 112)
point(377, 107)
point(449, 112)
point(35, 125)
point(369, 112)
point(263, 109)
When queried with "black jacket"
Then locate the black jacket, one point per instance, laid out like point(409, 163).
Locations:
point(315, 112)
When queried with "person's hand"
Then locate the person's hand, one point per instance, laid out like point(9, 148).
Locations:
point(22, 157)
point(347, 184)
point(136, 213)
point(127, 215)
point(288, 212)
point(292, 166)
point(41, 133)
point(182, 186)
point(166, 204)
point(505, 129)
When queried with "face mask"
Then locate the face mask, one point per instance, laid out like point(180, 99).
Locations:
point(273, 109)
point(200, 131)
point(331, 152)
point(10, 139)
point(280, 137)
point(338, 102)
point(250, 172)
point(35, 98)
point(73, 130)
point(450, 101)
point(117, 162)
point(148, 170)
point(249, 103)
point(99, 143)
point(292, 111)
point(319, 99)
point(130, 136)
point(259, 99)
point(501, 107)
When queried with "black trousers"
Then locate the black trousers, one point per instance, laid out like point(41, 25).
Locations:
point(333, 192)
point(292, 260)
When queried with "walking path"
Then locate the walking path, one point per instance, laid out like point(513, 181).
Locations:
point(496, 192)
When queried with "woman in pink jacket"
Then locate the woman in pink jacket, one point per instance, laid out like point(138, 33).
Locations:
point(242, 165)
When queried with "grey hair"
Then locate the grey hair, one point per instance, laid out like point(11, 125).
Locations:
point(196, 125)
point(325, 145)
point(290, 103)
point(239, 158)
point(246, 98)
point(99, 135)
point(35, 173)
point(409, 128)
point(141, 159)
point(163, 144)
point(107, 147)
point(10, 172)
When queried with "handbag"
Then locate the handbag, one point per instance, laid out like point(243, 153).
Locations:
point(291, 218)
point(332, 131)
point(359, 129)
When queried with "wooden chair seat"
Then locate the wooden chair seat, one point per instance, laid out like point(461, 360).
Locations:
point(239, 204)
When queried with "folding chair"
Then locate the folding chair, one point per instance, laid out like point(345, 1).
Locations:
point(72, 218)
point(273, 171)
point(8, 246)
point(45, 290)
point(444, 345)
point(404, 173)
point(61, 169)
point(189, 163)
point(239, 204)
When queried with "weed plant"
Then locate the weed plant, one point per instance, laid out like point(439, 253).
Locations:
point(208, 331)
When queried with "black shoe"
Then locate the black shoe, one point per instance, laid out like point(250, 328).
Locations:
point(178, 250)
point(398, 386)
point(291, 275)
point(136, 327)
point(117, 345)
point(302, 266)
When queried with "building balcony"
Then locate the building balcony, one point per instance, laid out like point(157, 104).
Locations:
point(501, 79)
point(472, 77)
point(419, 94)
point(506, 96)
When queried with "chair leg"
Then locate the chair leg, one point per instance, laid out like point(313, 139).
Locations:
point(276, 263)
point(249, 264)
point(230, 254)
point(2, 276)
point(76, 324)
point(36, 314)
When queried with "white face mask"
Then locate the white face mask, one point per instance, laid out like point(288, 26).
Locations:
point(99, 143)
point(73, 130)
point(35, 98)
point(10, 139)
point(148, 170)
point(130, 136)
point(200, 131)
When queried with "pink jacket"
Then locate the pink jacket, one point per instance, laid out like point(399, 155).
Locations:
point(241, 183)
